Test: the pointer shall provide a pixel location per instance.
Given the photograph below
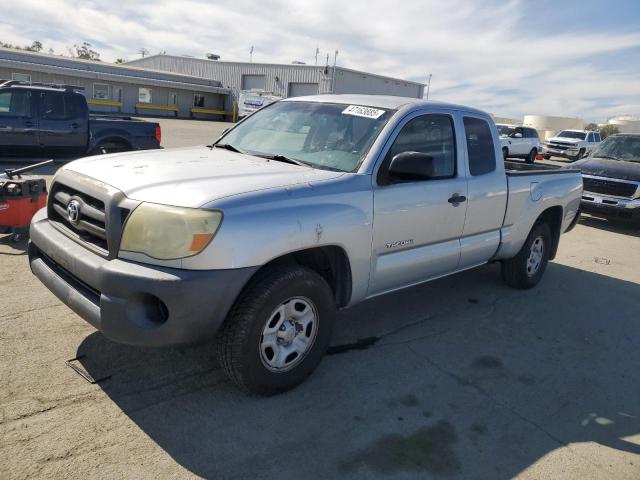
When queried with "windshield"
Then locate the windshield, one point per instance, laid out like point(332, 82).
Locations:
point(322, 135)
point(570, 134)
point(505, 130)
point(624, 148)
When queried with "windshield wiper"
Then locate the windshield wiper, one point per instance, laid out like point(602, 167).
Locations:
point(227, 146)
point(282, 158)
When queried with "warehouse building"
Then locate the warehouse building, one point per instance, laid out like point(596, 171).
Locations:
point(123, 89)
point(283, 80)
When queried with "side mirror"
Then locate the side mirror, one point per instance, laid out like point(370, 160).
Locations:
point(517, 135)
point(411, 166)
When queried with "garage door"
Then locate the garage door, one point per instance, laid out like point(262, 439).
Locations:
point(253, 82)
point(299, 89)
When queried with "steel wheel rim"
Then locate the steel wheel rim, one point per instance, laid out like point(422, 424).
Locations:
point(536, 254)
point(288, 334)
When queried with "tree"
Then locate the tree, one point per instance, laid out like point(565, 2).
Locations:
point(593, 127)
point(120, 60)
point(85, 52)
point(35, 46)
point(608, 130)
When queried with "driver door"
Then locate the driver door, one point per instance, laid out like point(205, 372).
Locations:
point(417, 228)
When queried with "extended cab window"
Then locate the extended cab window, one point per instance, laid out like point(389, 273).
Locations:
point(430, 134)
point(57, 106)
point(482, 154)
point(15, 104)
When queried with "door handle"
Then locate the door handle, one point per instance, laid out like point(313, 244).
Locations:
point(28, 123)
point(456, 198)
point(74, 125)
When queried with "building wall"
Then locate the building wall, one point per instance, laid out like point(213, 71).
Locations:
point(626, 124)
point(160, 95)
point(279, 77)
point(548, 126)
point(348, 81)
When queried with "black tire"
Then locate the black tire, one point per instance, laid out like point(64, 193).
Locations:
point(505, 153)
point(546, 157)
point(239, 339)
point(580, 154)
point(532, 156)
point(104, 148)
point(516, 272)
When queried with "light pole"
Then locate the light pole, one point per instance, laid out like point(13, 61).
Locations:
point(428, 85)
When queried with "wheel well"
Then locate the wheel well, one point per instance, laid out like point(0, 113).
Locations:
point(330, 262)
point(553, 217)
point(114, 141)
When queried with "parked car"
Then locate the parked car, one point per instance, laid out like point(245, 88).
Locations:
point(611, 177)
point(519, 142)
point(571, 144)
point(49, 119)
point(308, 205)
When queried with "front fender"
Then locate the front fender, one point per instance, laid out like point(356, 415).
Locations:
point(258, 229)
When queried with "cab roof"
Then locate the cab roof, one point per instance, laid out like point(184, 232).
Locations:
point(380, 101)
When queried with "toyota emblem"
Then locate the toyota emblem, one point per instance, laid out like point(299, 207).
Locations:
point(73, 211)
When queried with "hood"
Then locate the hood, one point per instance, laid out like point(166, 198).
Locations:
point(602, 167)
point(564, 140)
point(192, 177)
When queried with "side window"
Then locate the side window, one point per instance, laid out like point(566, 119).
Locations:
point(532, 133)
point(15, 104)
point(517, 131)
point(52, 106)
point(430, 134)
point(482, 155)
point(597, 137)
point(74, 105)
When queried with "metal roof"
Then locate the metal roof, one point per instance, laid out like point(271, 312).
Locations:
point(267, 65)
point(24, 60)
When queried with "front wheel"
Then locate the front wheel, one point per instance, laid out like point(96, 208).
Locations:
point(278, 330)
point(532, 156)
point(526, 269)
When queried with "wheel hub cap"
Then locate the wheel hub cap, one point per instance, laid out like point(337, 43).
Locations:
point(536, 254)
point(288, 334)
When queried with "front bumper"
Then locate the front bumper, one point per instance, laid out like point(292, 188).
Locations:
point(607, 206)
point(570, 153)
point(130, 302)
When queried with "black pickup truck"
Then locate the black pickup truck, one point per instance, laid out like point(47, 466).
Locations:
point(54, 119)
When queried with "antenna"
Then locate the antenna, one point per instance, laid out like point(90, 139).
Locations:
point(317, 52)
point(251, 54)
point(428, 85)
point(143, 51)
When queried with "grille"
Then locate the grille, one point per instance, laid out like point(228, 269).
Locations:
point(560, 146)
point(91, 223)
point(609, 187)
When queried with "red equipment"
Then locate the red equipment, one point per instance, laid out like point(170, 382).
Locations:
point(20, 198)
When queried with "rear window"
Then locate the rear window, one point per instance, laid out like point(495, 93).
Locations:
point(58, 106)
point(482, 155)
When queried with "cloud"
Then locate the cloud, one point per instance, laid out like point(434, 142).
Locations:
point(489, 54)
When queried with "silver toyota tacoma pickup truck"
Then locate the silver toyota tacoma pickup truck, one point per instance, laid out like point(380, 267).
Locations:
point(309, 205)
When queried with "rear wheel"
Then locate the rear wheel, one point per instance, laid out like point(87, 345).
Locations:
point(110, 147)
point(547, 157)
point(278, 330)
point(532, 156)
point(526, 269)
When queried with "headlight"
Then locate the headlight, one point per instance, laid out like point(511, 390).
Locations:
point(168, 233)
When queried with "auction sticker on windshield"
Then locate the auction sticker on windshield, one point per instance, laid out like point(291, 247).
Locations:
point(360, 111)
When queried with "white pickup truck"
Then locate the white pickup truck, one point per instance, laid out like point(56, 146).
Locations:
point(309, 205)
point(519, 142)
point(571, 144)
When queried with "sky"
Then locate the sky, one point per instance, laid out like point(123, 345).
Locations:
point(509, 57)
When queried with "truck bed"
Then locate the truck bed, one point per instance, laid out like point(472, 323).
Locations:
point(524, 169)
